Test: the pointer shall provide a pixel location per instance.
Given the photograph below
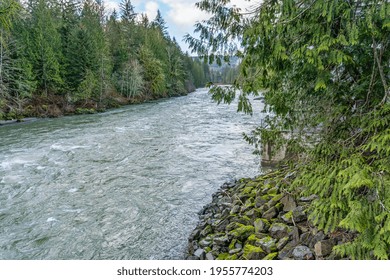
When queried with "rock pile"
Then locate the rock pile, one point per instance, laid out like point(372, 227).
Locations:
point(254, 219)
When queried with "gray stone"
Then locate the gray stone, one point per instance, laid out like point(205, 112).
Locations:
point(204, 243)
point(302, 253)
point(206, 231)
point(324, 247)
point(209, 256)
point(260, 200)
point(235, 251)
point(317, 237)
point(286, 252)
point(194, 235)
point(225, 212)
point(279, 230)
point(299, 215)
point(221, 226)
point(305, 238)
point(268, 244)
point(221, 240)
point(235, 209)
point(295, 235)
point(281, 243)
point(261, 225)
point(308, 198)
point(200, 253)
point(270, 213)
point(288, 203)
point(287, 218)
point(253, 213)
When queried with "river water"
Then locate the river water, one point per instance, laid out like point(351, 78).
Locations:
point(125, 184)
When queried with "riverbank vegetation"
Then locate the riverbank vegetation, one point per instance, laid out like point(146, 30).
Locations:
point(323, 68)
point(71, 56)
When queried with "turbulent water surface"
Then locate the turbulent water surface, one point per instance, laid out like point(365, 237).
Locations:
point(125, 184)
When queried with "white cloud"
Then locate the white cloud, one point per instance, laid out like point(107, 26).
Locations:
point(184, 15)
point(151, 8)
point(111, 5)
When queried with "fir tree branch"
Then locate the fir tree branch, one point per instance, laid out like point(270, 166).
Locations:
point(381, 72)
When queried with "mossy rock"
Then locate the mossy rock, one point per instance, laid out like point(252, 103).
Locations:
point(279, 230)
point(261, 225)
point(232, 244)
point(250, 202)
point(247, 190)
point(241, 220)
point(232, 257)
point(233, 225)
point(223, 256)
point(252, 239)
point(261, 200)
point(271, 256)
point(253, 252)
point(277, 198)
point(273, 191)
point(267, 243)
point(207, 249)
point(206, 231)
point(288, 217)
point(279, 206)
point(253, 213)
point(242, 232)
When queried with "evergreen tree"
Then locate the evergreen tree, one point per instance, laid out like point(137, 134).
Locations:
point(155, 83)
point(160, 23)
point(127, 11)
point(44, 45)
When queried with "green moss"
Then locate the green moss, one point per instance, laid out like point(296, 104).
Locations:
point(274, 191)
point(279, 206)
point(265, 197)
point(288, 215)
point(253, 252)
point(232, 257)
point(233, 244)
point(207, 249)
point(271, 256)
point(242, 232)
point(223, 256)
point(277, 197)
point(268, 244)
point(252, 239)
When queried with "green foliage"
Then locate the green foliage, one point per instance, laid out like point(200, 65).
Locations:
point(129, 81)
point(44, 46)
point(153, 73)
point(8, 8)
point(71, 51)
point(322, 67)
point(88, 88)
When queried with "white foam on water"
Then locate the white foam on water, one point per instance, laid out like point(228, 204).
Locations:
point(51, 219)
point(64, 148)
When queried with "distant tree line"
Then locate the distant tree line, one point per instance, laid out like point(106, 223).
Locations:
point(61, 56)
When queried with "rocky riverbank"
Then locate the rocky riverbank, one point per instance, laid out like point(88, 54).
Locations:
point(258, 218)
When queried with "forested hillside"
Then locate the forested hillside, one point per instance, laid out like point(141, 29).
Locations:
point(72, 56)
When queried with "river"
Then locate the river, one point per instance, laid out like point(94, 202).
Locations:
point(124, 184)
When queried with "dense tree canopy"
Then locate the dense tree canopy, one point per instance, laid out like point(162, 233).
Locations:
point(323, 68)
point(65, 56)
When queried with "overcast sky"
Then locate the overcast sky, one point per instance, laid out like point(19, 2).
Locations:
point(180, 15)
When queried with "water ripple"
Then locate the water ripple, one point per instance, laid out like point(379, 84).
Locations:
point(125, 184)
